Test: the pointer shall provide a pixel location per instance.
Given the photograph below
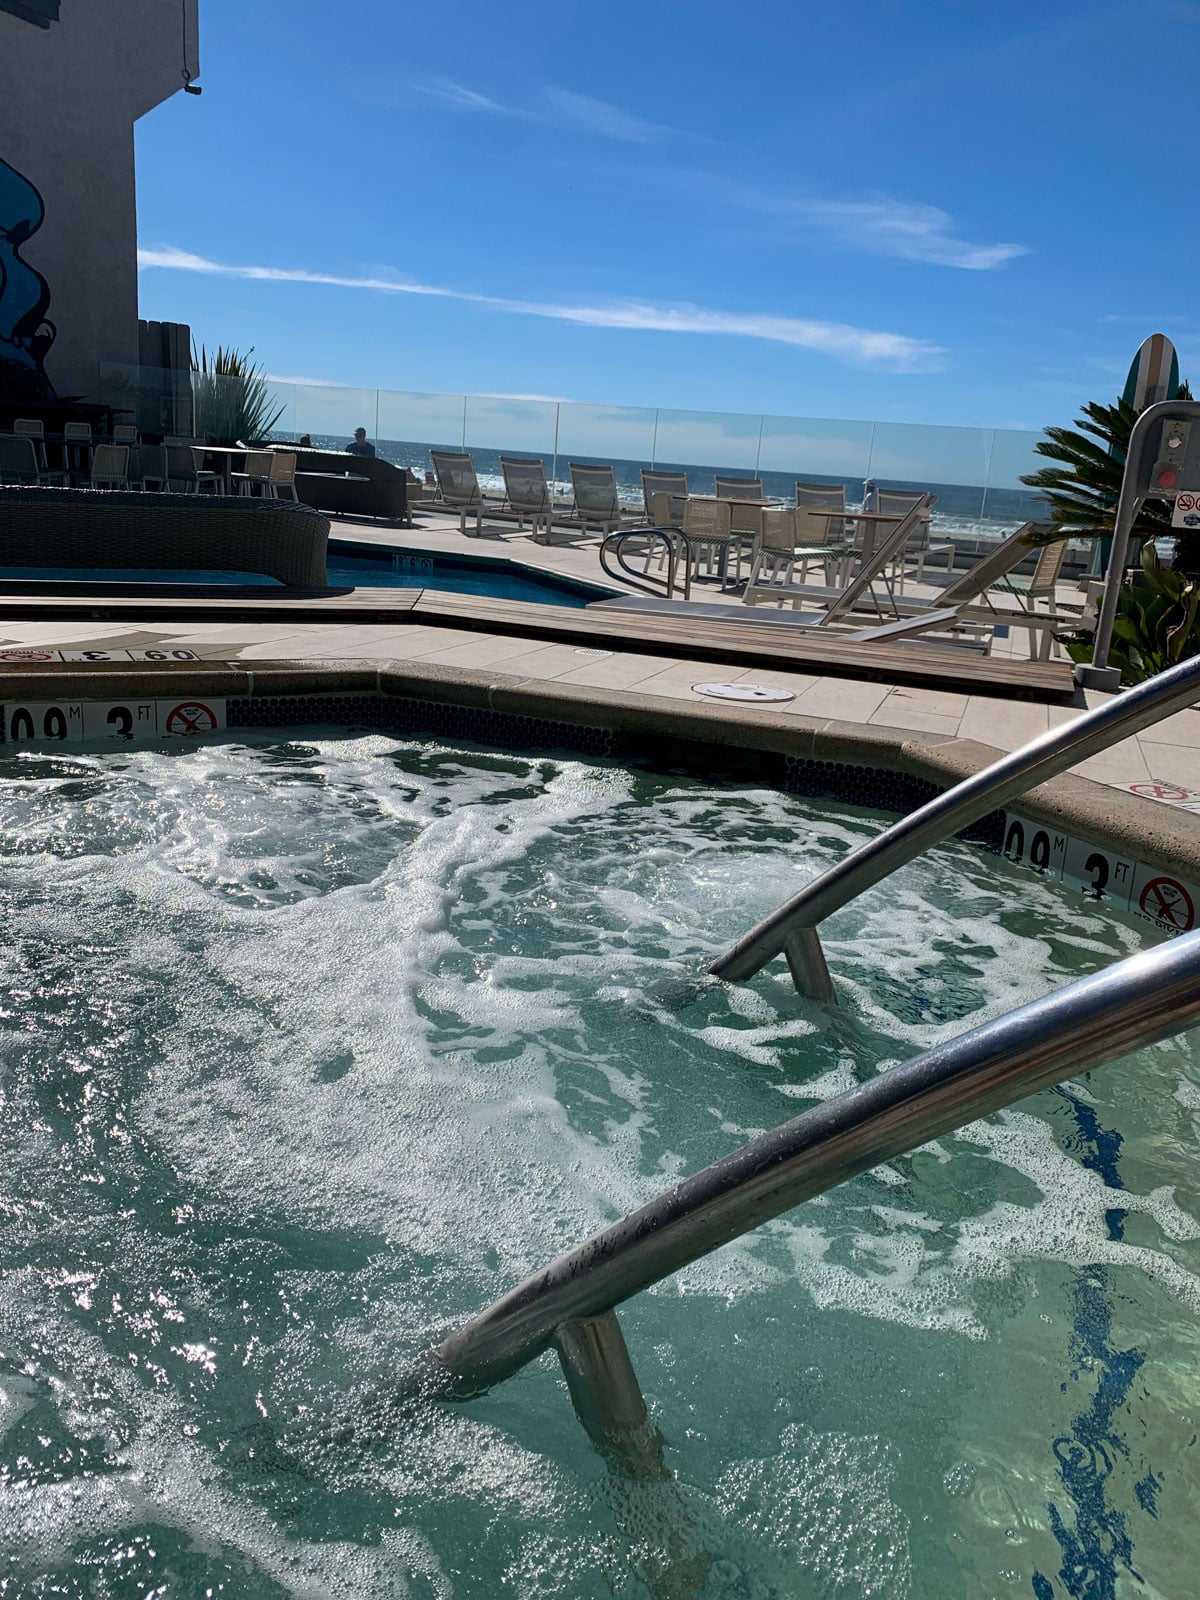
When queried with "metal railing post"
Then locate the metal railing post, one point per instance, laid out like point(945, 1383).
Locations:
point(1097, 674)
point(939, 819)
point(1136, 1002)
point(608, 1398)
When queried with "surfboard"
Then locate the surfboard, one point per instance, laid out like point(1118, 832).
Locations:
point(1154, 374)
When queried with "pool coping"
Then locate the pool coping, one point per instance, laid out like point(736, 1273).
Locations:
point(1127, 825)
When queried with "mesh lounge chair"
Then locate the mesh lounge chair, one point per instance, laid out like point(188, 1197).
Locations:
point(110, 467)
point(596, 502)
point(528, 494)
point(458, 487)
point(19, 463)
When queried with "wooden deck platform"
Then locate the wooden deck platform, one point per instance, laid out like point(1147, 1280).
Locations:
point(746, 644)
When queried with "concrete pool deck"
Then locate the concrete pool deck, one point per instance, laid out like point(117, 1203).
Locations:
point(937, 733)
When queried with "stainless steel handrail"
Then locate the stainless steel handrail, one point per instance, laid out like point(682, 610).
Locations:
point(791, 930)
point(1145, 998)
point(673, 538)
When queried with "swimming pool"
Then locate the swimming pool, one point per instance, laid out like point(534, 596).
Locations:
point(314, 1044)
point(355, 565)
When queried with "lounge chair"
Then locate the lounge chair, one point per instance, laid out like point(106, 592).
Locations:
point(458, 487)
point(597, 505)
point(528, 494)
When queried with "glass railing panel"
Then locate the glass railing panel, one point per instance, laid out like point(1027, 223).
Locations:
point(1008, 503)
point(156, 400)
point(951, 463)
point(704, 443)
point(498, 426)
point(411, 424)
point(329, 414)
point(814, 450)
point(618, 436)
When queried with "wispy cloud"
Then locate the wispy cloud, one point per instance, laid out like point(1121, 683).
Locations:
point(909, 230)
point(457, 94)
point(895, 352)
point(558, 107)
point(900, 228)
point(597, 116)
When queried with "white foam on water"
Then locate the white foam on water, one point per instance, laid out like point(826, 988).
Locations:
point(424, 1004)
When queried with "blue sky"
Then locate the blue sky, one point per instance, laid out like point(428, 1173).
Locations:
point(919, 212)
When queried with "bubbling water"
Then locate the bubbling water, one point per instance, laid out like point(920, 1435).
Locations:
point(312, 1046)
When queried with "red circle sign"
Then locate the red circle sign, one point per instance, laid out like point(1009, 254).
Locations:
point(1167, 902)
point(191, 718)
point(1160, 791)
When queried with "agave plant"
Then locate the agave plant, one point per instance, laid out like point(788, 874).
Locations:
point(1155, 625)
point(233, 400)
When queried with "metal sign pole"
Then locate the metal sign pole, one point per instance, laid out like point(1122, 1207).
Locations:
point(1142, 477)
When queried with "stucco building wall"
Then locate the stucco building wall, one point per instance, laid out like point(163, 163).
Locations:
point(70, 94)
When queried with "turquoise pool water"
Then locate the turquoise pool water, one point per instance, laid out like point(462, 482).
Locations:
point(356, 566)
point(312, 1045)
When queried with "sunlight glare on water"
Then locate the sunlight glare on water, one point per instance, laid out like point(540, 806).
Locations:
point(311, 1046)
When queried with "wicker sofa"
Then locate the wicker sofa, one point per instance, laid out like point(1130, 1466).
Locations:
point(186, 532)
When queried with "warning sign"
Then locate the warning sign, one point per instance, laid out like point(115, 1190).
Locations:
point(1187, 509)
point(28, 655)
point(1167, 902)
point(1161, 791)
point(192, 717)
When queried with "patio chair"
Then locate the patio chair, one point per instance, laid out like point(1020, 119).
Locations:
point(33, 426)
point(77, 448)
point(528, 494)
point(148, 468)
point(458, 487)
point(815, 526)
point(19, 463)
point(672, 484)
point(255, 475)
point(124, 433)
point(921, 545)
point(183, 469)
point(873, 566)
point(712, 536)
point(110, 467)
point(738, 488)
point(596, 502)
point(283, 475)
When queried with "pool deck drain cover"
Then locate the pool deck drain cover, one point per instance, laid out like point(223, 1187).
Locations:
point(743, 691)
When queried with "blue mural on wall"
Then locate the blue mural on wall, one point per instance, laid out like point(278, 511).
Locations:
point(25, 333)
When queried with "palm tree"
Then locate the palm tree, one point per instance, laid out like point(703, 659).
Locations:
point(1083, 487)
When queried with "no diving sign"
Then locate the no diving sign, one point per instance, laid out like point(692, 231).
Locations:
point(1169, 903)
point(49, 723)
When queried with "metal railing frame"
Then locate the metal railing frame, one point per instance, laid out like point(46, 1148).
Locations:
point(791, 930)
point(571, 1303)
point(675, 541)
